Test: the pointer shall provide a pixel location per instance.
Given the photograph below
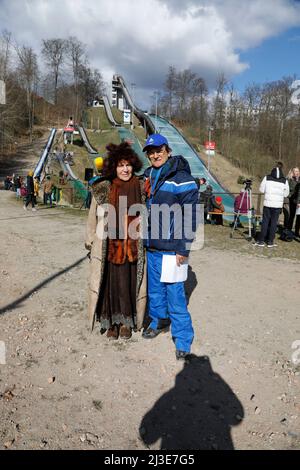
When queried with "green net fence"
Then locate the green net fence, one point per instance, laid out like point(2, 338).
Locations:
point(80, 191)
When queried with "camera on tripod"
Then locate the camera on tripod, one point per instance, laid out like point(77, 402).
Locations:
point(245, 208)
point(247, 183)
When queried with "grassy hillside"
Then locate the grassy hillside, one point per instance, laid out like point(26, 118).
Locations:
point(99, 140)
point(95, 118)
point(117, 114)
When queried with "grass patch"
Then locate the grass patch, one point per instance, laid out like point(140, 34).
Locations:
point(95, 118)
point(117, 114)
point(218, 237)
point(99, 140)
point(140, 134)
point(81, 157)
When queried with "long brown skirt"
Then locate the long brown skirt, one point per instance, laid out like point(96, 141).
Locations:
point(117, 299)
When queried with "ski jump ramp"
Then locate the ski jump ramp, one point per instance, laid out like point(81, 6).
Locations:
point(86, 141)
point(108, 111)
point(180, 146)
point(42, 161)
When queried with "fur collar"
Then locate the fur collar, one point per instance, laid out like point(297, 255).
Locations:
point(100, 191)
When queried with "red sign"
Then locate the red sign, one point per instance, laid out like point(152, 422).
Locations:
point(210, 145)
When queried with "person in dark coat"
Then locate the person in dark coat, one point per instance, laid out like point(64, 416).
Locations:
point(30, 191)
point(297, 198)
point(293, 180)
point(206, 198)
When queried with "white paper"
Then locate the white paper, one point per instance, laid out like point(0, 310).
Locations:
point(298, 211)
point(170, 272)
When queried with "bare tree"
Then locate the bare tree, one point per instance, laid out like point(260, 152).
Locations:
point(76, 53)
point(91, 83)
point(53, 51)
point(219, 105)
point(170, 86)
point(183, 91)
point(200, 104)
point(28, 75)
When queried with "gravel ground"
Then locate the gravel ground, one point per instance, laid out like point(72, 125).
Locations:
point(63, 387)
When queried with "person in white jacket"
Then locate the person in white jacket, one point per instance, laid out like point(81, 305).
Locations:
point(275, 187)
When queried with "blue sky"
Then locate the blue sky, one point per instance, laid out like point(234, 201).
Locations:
point(274, 58)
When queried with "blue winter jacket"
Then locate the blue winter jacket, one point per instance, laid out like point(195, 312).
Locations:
point(174, 187)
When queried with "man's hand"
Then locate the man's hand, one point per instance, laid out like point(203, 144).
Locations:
point(180, 259)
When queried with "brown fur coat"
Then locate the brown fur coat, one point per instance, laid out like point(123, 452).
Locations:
point(97, 221)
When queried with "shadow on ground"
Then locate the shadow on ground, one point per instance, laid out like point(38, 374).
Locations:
point(198, 413)
point(18, 303)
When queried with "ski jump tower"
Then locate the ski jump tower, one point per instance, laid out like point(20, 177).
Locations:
point(118, 98)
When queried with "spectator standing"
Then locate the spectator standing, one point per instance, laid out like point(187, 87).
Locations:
point(18, 187)
point(70, 122)
point(242, 206)
point(297, 226)
point(206, 198)
point(275, 187)
point(7, 183)
point(14, 182)
point(293, 180)
point(48, 186)
point(30, 191)
point(36, 183)
point(200, 182)
point(218, 209)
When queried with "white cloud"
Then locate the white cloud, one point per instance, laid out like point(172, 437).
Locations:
point(141, 38)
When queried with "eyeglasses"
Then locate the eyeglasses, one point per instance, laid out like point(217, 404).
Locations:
point(156, 150)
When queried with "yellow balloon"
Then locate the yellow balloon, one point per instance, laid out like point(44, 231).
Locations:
point(99, 163)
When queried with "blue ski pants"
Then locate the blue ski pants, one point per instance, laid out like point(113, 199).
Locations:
point(168, 300)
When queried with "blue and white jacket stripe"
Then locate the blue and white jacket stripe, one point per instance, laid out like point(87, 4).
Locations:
point(176, 187)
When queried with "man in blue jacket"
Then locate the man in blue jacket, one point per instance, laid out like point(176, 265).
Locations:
point(169, 182)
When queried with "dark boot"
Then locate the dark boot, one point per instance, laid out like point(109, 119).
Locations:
point(125, 332)
point(162, 327)
point(113, 332)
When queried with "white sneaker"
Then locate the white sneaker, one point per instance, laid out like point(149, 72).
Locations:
point(33, 209)
point(259, 244)
point(25, 208)
point(271, 245)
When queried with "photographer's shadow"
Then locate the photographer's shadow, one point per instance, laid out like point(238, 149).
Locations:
point(198, 413)
point(190, 284)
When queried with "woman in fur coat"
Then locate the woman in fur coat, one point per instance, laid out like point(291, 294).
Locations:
point(117, 281)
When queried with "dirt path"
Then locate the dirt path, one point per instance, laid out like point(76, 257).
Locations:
point(62, 387)
point(25, 158)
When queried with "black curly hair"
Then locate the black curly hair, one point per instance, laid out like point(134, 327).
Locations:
point(117, 153)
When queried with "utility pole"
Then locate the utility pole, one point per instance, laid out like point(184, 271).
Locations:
point(210, 129)
point(2, 102)
point(133, 85)
point(156, 94)
point(2, 92)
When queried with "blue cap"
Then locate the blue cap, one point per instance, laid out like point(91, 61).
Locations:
point(155, 140)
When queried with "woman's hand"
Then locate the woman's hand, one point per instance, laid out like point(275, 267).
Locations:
point(180, 259)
